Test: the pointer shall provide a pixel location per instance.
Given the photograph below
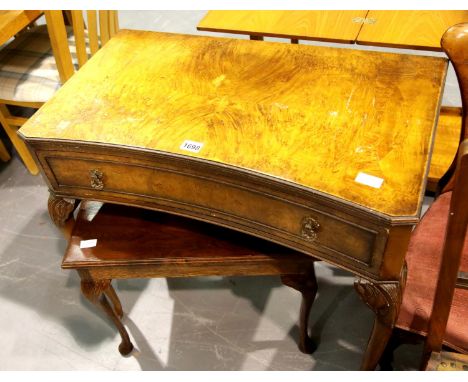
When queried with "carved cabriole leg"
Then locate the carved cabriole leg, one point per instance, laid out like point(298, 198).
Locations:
point(111, 295)
point(96, 291)
point(307, 285)
point(60, 210)
point(384, 298)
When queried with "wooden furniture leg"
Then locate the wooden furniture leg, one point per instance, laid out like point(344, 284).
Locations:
point(112, 296)
point(136, 243)
point(384, 298)
point(4, 154)
point(307, 285)
point(17, 142)
point(96, 292)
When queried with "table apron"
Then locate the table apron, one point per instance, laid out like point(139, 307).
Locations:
point(327, 231)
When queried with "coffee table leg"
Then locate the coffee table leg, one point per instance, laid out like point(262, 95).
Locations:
point(384, 298)
point(112, 295)
point(96, 291)
point(307, 285)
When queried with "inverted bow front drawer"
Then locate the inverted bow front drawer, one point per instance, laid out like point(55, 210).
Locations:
point(178, 185)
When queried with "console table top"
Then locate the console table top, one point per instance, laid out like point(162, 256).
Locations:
point(313, 116)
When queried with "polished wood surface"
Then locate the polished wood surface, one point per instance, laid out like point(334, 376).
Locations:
point(142, 237)
point(334, 26)
point(409, 29)
point(12, 22)
point(403, 29)
point(312, 116)
point(446, 144)
point(136, 243)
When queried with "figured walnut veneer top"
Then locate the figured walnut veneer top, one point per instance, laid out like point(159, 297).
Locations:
point(314, 116)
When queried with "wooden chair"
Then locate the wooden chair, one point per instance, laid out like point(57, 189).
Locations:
point(35, 64)
point(432, 306)
point(137, 243)
point(447, 300)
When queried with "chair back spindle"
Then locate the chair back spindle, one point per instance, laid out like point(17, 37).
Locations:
point(87, 40)
point(104, 27)
point(79, 33)
point(93, 32)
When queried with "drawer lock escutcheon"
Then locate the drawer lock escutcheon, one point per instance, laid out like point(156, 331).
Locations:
point(96, 179)
point(310, 228)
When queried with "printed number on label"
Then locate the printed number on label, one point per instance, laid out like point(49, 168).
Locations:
point(192, 146)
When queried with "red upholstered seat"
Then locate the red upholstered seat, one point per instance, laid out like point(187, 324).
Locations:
point(423, 260)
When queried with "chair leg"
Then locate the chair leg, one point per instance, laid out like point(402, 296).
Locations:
point(4, 154)
point(17, 142)
point(307, 285)
point(96, 291)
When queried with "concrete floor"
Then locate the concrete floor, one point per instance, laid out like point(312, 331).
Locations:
point(213, 323)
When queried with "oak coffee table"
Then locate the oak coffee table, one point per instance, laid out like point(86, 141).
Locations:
point(322, 150)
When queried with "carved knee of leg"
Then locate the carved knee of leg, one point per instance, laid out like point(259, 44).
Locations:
point(92, 289)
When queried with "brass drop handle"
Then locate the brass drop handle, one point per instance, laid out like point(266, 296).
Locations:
point(310, 228)
point(96, 179)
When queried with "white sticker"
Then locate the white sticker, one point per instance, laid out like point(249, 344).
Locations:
point(192, 146)
point(88, 243)
point(369, 180)
point(63, 125)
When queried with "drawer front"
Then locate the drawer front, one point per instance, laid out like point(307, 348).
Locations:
point(297, 225)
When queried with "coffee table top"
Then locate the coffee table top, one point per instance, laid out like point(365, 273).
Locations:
point(317, 117)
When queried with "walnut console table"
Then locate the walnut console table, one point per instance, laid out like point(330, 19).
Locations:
point(322, 150)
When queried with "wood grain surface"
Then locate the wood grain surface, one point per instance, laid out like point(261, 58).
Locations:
point(445, 145)
point(337, 26)
point(314, 116)
point(135, 236)
point(12, 22)
point(409, 29)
